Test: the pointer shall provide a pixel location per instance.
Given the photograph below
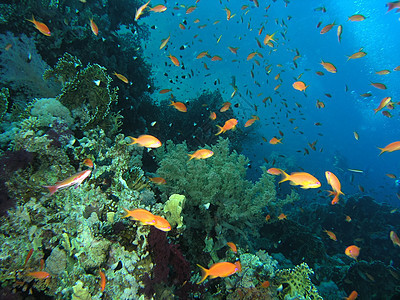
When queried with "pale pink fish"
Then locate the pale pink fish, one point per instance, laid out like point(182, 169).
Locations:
point(75, 180)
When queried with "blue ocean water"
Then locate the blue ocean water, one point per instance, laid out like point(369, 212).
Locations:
point(295, 28)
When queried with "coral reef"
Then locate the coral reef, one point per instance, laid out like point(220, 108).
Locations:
point(297, 283)
point(220, 203)
point(87, 93)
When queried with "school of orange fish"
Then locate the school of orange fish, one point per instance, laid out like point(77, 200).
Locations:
point(302, 179)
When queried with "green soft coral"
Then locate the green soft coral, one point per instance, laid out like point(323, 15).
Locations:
point(216, 189)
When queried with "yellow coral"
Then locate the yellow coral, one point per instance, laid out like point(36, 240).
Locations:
point(299, 283)
point(173, 208)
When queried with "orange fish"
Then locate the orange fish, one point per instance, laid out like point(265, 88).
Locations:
point(158, 180)
point(269, 38)
point(88, 163)
point(358, 54)
point(40, 26)
point(94, 27)
point(385, 101)
point(121, 77)
point(201, 154)
point(229, 125)
point(39, 274)
point(233, 50)
point(275, 141)
point(305, 180)
point(202, 54)
point(179, 106)
point(250, 122)
point(391, 176)
point(164, 42)
point(334, 182)
point(221, 269)
point(174, 60)
point(267, 218)
point(331, 235)
point(390, 148)
point(265, 284)
point(393, 5)
point(356, 135)
point(8, 47)
point(395, 239)
point(158, 8)
point(213, 115)
point(102, 280)
point(300, 86)
point(328, 66)
point(228, 13)
point(216, 58)
point(190, 9)
point(383, 72)
point(232, 246)
point(348, 219)
point(327, 28)
point(28, 256)
point(320, 104)
point(339, 33)
point(378, 85)
point(225, 106)
point(146, 140)
point(164, 91)
point(274, 171)
point(356, 18)
point(353, 295)
point(352, 251)
point(75, 180)
point(140, 10)
point(141, 215)
point(282, 216)
point(251, 55)
point(161, 223)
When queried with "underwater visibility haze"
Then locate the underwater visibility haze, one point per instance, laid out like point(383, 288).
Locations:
point(199, 149)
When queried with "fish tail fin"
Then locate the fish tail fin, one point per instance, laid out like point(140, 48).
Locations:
point(133, 140)
point(52, 188)
point(191, 156)
point(220, 130)
point(382, 150)
point(31, 20)
point(204, 273)
point(285, 177)
point(127, 213)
